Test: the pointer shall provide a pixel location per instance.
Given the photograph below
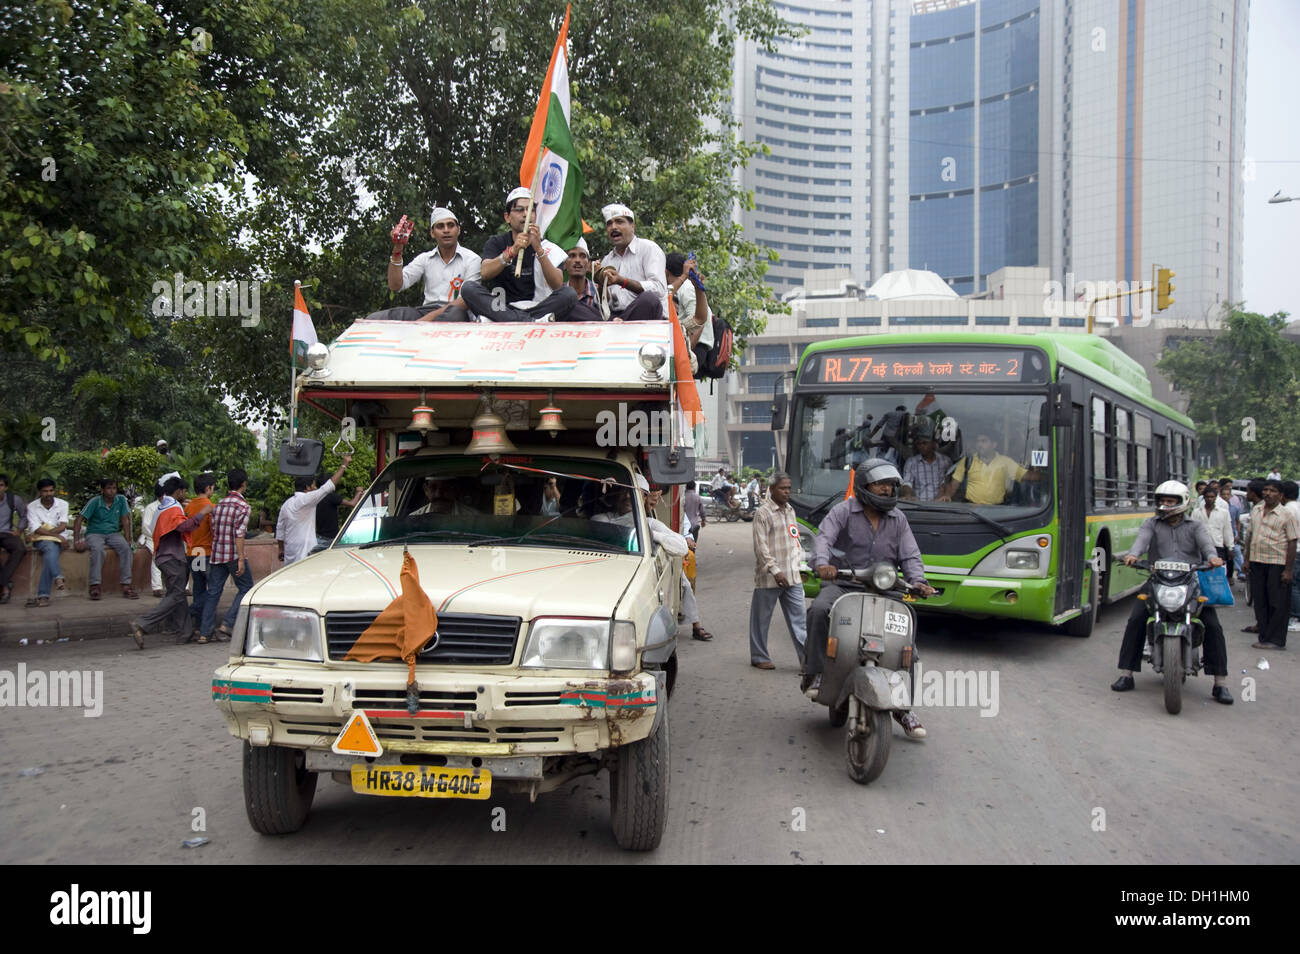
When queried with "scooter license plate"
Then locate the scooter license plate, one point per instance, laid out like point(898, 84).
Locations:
point(897, 623)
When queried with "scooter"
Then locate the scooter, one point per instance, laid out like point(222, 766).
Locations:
point(870, 651)
point(1175, 632)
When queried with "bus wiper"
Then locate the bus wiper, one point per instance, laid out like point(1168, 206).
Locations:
point(824, 506)
point(423, 534)
point(1002, 531)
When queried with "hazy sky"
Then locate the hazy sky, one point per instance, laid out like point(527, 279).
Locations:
point(1271, 276)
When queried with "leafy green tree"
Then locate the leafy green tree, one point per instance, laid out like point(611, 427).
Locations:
point(1243, 387)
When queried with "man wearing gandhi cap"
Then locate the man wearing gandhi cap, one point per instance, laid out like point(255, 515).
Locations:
point(538, 291)
point(444, 269)
point(633, 271)
point(578, 264)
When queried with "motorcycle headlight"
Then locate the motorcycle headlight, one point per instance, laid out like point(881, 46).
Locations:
point(556, 643)
point(279, 632)
point(884, 576)
point(1171, 598)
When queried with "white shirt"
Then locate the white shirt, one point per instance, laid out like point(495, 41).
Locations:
point(438, 274)
point(147, 523)
point(644, 263)
point(296, 525)
point(674, 543)
point(1218, 523)
point(38, 516)
point(686, 314)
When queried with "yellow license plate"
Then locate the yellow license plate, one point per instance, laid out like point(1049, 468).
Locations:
point(421, 781)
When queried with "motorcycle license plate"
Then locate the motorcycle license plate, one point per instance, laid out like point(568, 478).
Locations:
point(896, 623)
point(421, 781)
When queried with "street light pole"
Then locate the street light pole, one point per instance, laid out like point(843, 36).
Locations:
point(1278, 198)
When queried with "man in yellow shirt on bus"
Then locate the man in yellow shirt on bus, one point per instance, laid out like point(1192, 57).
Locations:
point(991, 474)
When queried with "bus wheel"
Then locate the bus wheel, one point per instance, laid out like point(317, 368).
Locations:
point(1083, 624)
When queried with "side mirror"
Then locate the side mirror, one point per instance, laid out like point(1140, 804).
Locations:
point(670, 465)
point(302, 458)
point(1062, 408)
point(780, 404)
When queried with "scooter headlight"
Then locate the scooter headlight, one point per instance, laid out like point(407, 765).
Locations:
point(1171, 598)
point(884, 576)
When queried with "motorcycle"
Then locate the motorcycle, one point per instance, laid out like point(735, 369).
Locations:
point(1175, 632)
point(870, 651)
point(719, 512)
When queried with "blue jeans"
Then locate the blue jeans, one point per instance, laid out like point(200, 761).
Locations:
point(1295, 590)
point(49, 551)
point(217, 573)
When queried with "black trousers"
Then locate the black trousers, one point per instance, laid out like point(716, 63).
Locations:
point(1271, 600)
point(172, 612)
point(1214, 648)
point(13, 545)
point(483, 301)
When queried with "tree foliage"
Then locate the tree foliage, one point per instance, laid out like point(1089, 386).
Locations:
point(1243, 387)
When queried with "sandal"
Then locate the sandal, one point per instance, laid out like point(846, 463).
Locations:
point(94, 591)
point(129, 592)
point(203, 639)
point(60, 583)
point(703, 635)
point(222, 635)
point(7, 592)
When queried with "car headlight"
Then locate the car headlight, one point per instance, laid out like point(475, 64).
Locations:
point(1171, 598)
point(278, 632)
point(1022, 559)
point(884, 576)
point(557, 643)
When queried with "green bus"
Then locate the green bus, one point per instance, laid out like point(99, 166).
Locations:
point(1048, 448)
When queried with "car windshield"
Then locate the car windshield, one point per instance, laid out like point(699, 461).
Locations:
point(518, 500)
point(957, 452)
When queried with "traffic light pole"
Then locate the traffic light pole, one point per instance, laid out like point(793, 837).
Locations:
point(1112, 297)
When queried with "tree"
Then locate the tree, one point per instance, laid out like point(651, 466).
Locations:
point(1243, 387)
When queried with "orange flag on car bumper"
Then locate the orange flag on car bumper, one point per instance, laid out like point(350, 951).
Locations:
point(403, 627)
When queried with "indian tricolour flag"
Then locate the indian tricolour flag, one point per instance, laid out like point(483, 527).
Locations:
point(550, 166)
point(304, 332)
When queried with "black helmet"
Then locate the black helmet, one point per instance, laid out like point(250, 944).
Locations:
point(872, 471)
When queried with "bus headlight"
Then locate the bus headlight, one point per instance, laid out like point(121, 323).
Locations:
point(1022, 559)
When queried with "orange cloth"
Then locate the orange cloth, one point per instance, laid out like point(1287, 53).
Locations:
point(200, 536)
point(169, 520)
point(687, 394)
point(403, 627)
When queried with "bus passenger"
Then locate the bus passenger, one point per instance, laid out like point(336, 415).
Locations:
point(991, 474)
point(925, 470)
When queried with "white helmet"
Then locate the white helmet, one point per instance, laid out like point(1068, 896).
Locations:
point(1171, 488)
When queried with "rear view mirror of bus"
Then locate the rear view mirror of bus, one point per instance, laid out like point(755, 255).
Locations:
point(301, 458)
point(670, 465)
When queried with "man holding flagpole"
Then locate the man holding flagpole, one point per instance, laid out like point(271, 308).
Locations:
point(634, 271)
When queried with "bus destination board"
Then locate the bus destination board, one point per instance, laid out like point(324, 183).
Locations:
point(929, 366)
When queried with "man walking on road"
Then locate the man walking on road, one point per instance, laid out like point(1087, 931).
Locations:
point(776, 574)
point(1269, 549)
point(229, 525)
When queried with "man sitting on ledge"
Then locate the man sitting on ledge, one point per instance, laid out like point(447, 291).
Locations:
point(634, 270)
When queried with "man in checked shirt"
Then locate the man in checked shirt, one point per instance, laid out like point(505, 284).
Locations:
point(777, 554)
point(229, 524)
point(925, 470)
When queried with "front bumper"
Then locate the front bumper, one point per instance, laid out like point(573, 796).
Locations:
point(471, 714)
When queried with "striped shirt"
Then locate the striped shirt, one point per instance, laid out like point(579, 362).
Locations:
point(229, 523)
point(924, 478)
point(1266, 537)
point(776, 545)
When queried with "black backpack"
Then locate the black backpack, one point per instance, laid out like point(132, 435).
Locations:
point(714, 361)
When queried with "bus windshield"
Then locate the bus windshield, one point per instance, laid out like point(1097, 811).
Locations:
point(957, 452)
point(569, 503)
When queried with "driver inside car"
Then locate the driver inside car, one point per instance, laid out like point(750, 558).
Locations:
point(440, 493)
point(867, 529)
point(1170, 535)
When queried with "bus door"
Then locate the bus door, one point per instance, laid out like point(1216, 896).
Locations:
point(1071, 471)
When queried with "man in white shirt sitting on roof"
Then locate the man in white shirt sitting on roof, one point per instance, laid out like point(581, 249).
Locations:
point(633, 271)
point(444, 269)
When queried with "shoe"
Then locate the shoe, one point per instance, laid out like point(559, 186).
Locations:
point(812, 686)
point(129, 592)
point(1122, 684)
point(158, 593)
point(703, 635)
point(1250, 629)
point(94, 591)
point(912, 727)
point(60, 583)
point(1293, 626)
point(763, 665)
point(138, 635)
point(1266, 646)
point(1221, 694)
point(42, 601)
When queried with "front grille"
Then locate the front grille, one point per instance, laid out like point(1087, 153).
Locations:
point(464, 639)
point(297, 694)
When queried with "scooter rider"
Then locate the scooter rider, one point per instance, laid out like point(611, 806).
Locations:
point(867, 529)
point(1170, 535)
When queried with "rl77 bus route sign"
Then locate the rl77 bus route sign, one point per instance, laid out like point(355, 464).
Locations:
point(929, 365)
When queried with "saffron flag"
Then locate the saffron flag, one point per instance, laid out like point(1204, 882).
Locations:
point(402, 629)
point(304, 332)
point(550, 164)
point(688, 396)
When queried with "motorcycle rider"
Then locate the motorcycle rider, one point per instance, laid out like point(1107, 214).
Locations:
point(1171, 535)
point(867, 529)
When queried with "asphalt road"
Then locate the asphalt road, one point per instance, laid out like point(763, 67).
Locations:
point(1065, 772)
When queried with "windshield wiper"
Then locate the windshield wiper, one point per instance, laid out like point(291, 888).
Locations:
point(423, 534)
point(584, 543)
point(1002, 532)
